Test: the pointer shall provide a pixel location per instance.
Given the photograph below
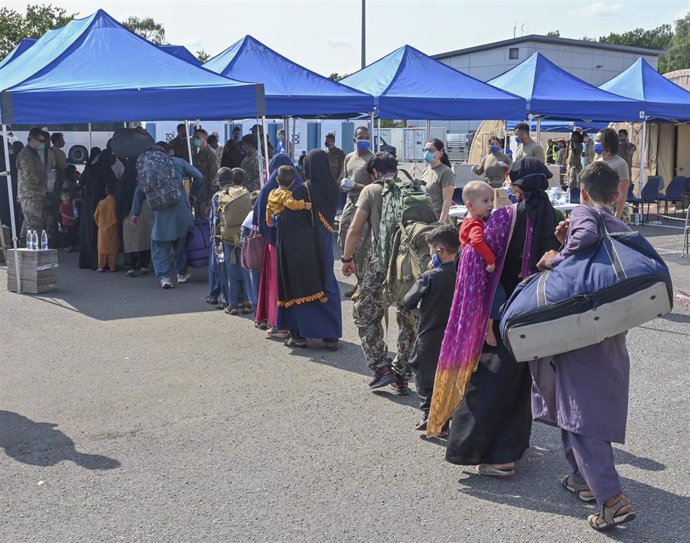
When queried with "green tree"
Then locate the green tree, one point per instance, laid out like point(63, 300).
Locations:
point(202, 55)
point(38, 19)
point(337, 77)
point(554, 34)
point(678, 57)
point(657, 38)
point(147, 28)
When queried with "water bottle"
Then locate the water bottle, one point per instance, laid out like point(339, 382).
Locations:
point(30, 240)
point(44, 240)
point(567, 195)
point(34, 241)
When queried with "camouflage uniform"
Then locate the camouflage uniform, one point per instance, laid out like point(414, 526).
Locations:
point(32, 180)
point(251, 165)
point(336, 163)
point(206, 161)
point(369, 311)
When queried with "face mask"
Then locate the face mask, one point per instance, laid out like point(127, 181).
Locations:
point(622, 139)
point(363, 145)
point(327, 143)
point(428, 156)
point(197, 142)
point(494, 148)
point(435, 261)
point(598, 149)
point(518, 140)
point(41, 146)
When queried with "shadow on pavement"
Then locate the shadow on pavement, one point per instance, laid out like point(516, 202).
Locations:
point(40, 444)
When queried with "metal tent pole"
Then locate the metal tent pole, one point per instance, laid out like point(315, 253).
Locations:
point(643, 150)
point(189, 141)
point(378, 141)
point(506, 145)
point(539, 130)
point(265, 136)
point(373, 125)
point(10, 196)
point(428, 131)
point(90, 139)
point(259, 152)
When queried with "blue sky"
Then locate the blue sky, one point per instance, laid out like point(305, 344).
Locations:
point(325, 35)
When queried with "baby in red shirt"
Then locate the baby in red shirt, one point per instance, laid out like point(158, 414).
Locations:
point(479, 200)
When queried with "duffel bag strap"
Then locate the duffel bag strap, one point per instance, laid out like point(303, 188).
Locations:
point(607, 240)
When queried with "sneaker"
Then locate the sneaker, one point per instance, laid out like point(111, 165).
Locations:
point(400, 387)
point(382, 377)
point(184, 278)
point(131, 273)
point(166, 283)
point(422, 424)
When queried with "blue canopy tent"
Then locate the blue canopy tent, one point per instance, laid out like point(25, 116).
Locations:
point(290, 88)
point(180, 51)
point(407, 84)
point(17, 51)
point(551, 91)
point(662, 99)
point(96, 70)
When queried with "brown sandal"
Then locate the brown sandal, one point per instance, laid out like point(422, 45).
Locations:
point(610, 515)
point(231, 310)
point(582, 491)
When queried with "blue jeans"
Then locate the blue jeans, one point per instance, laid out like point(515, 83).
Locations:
point(237, 293)
point(217, 279)
point(160, 254)
point(251, 282)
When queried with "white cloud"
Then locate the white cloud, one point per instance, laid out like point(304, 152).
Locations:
point(338, 43)
point(599, 9)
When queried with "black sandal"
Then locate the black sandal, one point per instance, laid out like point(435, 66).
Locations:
point(583, 492)
point(610, 516)
point(211, 300)
point(330, 344)
point(299, 344)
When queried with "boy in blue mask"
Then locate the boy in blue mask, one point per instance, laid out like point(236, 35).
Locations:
point(434, 292)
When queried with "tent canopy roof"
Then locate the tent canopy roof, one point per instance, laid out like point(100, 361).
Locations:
point(551, 91)
point(407, 84)
point(663, 98)
point(96, 70)
point(290, 88)
point(17, 51)
point(180, 51)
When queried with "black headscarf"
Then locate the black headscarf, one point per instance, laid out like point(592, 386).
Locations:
point(324, 191)
point(533, 177)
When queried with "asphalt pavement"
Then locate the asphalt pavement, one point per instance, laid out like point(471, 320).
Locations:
point(129, 413)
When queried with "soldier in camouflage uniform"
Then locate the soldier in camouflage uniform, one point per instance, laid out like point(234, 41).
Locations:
point(251, 163)
point(369, 309)
point(32, 180)
point(206, 161)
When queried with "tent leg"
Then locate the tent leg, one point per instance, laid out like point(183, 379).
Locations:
point(90, 139)
point(378, 142)
point(259, 152)
point(189, 141)
point(539, 130)
point(371, 131)
point(10, 196)
point(643, 153)
point(265, 135)
point(428, 131)
point(506, 145)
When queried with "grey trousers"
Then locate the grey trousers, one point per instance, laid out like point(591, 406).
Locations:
point(592, 462)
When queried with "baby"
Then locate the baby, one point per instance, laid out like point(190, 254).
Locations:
point(281, 197)
point(479, 200)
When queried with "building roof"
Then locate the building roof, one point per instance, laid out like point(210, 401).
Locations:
point(553, 41)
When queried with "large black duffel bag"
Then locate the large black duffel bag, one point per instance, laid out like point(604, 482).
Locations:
point(619, 283)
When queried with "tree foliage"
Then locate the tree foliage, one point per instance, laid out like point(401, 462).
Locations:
point(202, 55)
point(337, 77)
point(38, 19)
point(554, 33)
point(678, 57)
point(656, 38)
point(147, 28)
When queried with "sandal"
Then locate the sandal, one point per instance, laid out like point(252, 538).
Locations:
point(247, 308)
point(611, 516)
point(330, 344)
point(291, 342)
point(278, 334)
point(263, 325)
point(492, 471)
point(231, 310)
point(211, 300)
point(582, 491)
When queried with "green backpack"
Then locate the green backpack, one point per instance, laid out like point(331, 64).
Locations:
point(407, 215)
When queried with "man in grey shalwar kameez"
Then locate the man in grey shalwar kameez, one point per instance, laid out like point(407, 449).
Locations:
point(585, 392)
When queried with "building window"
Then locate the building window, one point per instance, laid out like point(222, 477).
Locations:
point(514, 53)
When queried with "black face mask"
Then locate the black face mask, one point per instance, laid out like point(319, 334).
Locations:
point(327, 143)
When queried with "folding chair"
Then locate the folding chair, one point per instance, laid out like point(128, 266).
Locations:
point(674, 193)
point(650, 192)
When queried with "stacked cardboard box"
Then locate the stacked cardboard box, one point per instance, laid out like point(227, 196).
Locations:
point(38, 269)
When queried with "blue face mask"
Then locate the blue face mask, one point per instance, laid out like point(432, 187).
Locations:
point(494, 148)
point(41, 146)
point(197, 142)
point(435, 261)
point(428, 156)
point(518, 140)
point(363, 145)
point(598, 149)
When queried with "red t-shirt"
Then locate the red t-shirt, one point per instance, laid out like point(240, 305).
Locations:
point(66, 209)
point(472, 232)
